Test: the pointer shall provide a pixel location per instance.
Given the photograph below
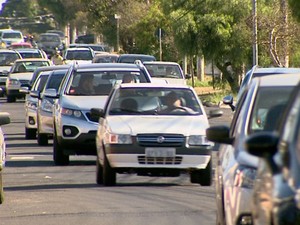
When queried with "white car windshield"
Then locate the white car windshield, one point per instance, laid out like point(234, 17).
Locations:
point(154, 101)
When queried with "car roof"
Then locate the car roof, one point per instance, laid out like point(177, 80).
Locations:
point(28, 50)
point(32, 59)
point(8, 51)
point(278, 80)
point(78, 49)
point(276, 70)
point(155, 85)
point(107, 66)
point(160, 63)
point(49, 34)
point(53, 67)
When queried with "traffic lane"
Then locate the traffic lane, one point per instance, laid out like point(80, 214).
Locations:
point(36, 191)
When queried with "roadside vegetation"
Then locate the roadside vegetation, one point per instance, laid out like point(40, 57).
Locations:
point(218, 31)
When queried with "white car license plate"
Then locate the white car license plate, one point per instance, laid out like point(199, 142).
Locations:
point(160, 152)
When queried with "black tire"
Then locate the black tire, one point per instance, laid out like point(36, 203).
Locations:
point(42, 139)
point(30, 134)
point(202, 177)
point(99, 172)
point(60, 159)
point(109, 175)
point(10, 99)
point(1, 190)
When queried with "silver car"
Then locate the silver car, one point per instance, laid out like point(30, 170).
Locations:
point(236, 168)
point(31, 101)
point(85, 86)
point(44, 107)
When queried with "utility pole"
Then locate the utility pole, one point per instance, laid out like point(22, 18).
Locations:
point(255, 45)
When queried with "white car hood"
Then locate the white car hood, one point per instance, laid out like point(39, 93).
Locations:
point(83, 102)
point(78, 61)
point(133, 125)
point(169, 80)
point(21, 76)
point(4, 68)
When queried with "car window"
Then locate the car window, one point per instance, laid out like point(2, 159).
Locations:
point(7, 59)
point(79, 55)
point(168, 71)
point(12, 35)
point(103, 81)
point(26, 55)
point(268, 98)
point(40, 82)
point(55, 81)
point(153, 101)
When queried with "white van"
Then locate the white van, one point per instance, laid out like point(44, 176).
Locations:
point(9, 36)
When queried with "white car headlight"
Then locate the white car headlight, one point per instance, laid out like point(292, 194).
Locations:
point(118, 139)
point(13, 82)
point(199, 140)
point(72, 112)
point(46, 105)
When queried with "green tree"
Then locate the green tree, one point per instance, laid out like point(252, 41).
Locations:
point(295, 7)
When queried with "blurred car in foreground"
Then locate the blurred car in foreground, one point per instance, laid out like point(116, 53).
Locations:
point(20, 75)
point(276, 197)
point(85, 86)
point(4, 119)
point(45, 105)
point(256, 71)
point(236, 168)
point(152, 130)
point(170, 72)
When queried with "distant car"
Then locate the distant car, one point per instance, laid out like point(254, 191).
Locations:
point(20, 75)
point(27, 53)
point(276, 189)
point(170, 72)
point(79, 55)
point(105, 58)
point(60, 33)
point(141, 131)
point(98, 48)
point(7, 59)
point(74, 129)
point(31, 102)
point(236, 169)
point(131, 58)
point(45, 105)
point(4, 119)
point(87, 39)
point(20, 45)
point(9, 36)
point(49, 42)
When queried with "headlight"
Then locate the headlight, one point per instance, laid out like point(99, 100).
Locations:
point(13, 82)
point(118, 139)
point(198, 140)
point(32, 105)
point(71, 112)
point(244, 177)
point(46, 105)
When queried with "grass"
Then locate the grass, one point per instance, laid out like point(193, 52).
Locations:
point(221, 90)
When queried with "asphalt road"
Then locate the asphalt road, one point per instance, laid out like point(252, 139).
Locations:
point(38, 192)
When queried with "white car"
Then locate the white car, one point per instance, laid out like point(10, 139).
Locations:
point(74, 129)
point(78, 55)
point(141, 132)
point(20, 75)
point(31, 102)
point(9, 36)
point(4, 119)
point(170, 72)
